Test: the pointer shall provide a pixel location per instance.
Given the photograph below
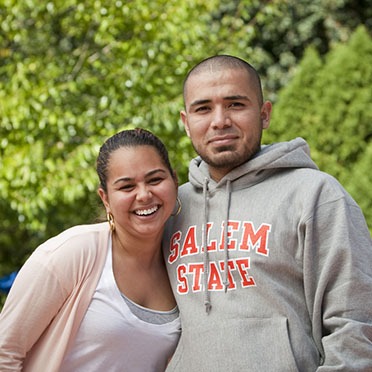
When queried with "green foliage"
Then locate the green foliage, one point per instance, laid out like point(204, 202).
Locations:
point(359, 182)
point(274, 34)
point(327, 103)
point(73, 74)
point(292, 113)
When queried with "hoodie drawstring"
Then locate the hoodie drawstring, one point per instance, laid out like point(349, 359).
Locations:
point(225, 245)
point(207, 299)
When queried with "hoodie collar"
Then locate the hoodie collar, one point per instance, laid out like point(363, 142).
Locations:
point(283, 155)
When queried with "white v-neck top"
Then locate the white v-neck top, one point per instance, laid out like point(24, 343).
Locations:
point(112, 339)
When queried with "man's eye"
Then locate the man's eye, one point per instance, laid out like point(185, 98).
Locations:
point(202, 108)
point(236, 104)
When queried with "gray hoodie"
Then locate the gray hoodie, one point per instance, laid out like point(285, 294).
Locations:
point(297, 291)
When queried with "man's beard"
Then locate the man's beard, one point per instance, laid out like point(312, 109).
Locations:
point(230, 160)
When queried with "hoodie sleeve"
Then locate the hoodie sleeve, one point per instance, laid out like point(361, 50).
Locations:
point(338, 285)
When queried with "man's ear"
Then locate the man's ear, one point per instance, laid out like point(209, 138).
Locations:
point(185, 122)
point(266, 114)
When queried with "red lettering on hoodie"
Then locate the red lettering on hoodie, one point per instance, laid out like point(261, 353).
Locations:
point(231, 267)
point(255, 239)
point(189, 246)
point(196, 269)
point(250, 239)
point(174, 247)
point(182, 287)
point(212, 246)
point(243, 266)
point(215, 280)
point(189, 276)
point(231, 227)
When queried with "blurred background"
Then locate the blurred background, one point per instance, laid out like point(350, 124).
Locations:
point(74, 72)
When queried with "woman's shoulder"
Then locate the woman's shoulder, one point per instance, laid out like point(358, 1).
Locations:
point(75, 241)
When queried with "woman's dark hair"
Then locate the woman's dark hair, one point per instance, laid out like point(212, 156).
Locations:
point(128, 138)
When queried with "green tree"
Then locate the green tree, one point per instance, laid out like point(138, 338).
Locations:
point(274, 34)
point(327, 103)
point(72, 73)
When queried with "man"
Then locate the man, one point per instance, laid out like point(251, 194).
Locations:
point(270, 259)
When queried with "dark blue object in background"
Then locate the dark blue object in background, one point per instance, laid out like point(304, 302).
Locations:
point(7, 281)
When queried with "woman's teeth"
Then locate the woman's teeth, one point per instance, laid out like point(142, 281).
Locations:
point(146, 212)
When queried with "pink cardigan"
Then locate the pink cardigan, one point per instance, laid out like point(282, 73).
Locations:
point(49, 298)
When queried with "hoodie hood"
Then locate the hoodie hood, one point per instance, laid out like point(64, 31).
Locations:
point(270, 159)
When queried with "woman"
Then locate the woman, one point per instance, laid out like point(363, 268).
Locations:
point(97, 297)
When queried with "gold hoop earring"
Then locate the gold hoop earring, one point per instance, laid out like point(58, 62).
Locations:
point(110, 219)
point(178, 208)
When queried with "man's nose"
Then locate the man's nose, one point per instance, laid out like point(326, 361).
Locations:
point(221, 119)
